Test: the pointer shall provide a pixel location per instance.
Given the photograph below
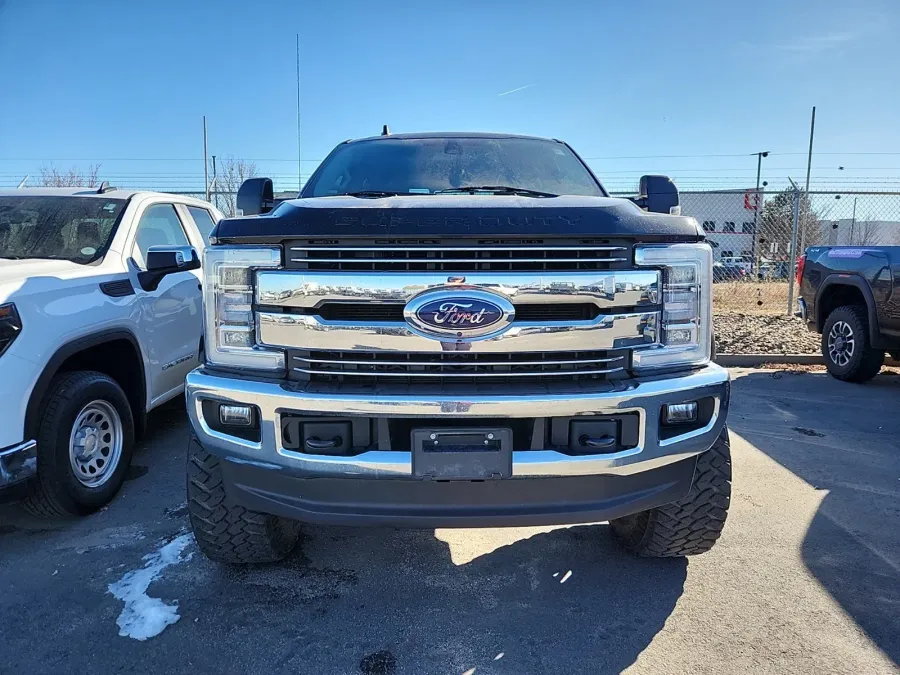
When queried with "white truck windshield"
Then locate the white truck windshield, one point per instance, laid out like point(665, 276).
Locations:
point(63, 228)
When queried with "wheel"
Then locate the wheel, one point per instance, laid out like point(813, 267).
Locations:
point(848, 353)
point(691, 525)
point(85, 440)
point(225, 531)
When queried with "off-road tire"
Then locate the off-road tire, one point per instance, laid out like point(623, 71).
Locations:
point(55, 492)
point(225, 531)
point(691, 525)
point(866, 361)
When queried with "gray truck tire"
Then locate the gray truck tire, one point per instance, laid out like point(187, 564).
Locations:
point(227, 532)
point(862, 362)
point(78, 404)
point(691, 525)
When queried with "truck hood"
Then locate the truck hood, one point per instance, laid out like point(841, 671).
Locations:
point(24, 277)
point(470, 216)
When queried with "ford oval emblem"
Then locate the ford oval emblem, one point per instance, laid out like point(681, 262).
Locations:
point(459, 314)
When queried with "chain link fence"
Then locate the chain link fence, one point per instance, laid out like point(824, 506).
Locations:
point(757, 237)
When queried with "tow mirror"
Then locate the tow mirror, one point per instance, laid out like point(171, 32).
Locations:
point(165, 260)
point(658, 194)
point(256, 196)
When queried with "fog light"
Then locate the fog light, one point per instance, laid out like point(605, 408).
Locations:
point(680, 413)
point(236, 415)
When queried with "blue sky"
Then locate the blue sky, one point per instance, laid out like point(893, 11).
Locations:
point(685, 88)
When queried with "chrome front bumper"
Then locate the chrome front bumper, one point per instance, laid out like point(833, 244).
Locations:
point(18, 463)
point(643, 396)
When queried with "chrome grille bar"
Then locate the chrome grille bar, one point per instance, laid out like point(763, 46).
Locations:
point(379, 362)
point(415, 374)
point(453, 260)
point(302, 331)
point(465, 249)
point(308, 289)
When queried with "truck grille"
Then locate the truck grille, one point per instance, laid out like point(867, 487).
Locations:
point(361, 311)
point(359, 367)
point(479, 255)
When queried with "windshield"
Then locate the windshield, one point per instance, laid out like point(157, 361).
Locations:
point(432, 165)
point(62, 228)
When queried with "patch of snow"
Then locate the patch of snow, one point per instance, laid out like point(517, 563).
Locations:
point(144, 617)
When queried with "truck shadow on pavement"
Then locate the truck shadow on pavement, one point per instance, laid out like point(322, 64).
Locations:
point(381, 601)
point(844, 440)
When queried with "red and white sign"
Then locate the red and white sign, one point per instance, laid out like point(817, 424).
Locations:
point(751, 200)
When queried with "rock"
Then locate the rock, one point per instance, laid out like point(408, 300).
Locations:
point(738, 333)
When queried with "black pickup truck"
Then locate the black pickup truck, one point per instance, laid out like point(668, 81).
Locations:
point(457, 330)
point(850, 296)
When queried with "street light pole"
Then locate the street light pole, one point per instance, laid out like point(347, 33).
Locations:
point(853, 222)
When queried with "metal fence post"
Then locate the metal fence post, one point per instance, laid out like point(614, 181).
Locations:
point(793, 252)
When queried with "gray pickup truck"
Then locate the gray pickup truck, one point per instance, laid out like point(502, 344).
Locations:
point(847, 293)
point(457, 330)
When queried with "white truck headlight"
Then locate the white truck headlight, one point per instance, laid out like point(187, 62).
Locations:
point(686, 335)
point(230, 333)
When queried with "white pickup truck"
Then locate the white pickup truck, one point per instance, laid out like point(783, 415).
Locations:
point(100, 321)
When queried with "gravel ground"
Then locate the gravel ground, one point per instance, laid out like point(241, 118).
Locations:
point(738, 333)
point(804, 580)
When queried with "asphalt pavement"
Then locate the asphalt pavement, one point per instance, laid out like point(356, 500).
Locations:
point(805, 579)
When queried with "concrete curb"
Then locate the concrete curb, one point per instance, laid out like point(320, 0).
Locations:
point(751, 360)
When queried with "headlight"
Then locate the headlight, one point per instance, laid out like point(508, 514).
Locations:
point(228, 308)
point(686, 333)
point(10, 326)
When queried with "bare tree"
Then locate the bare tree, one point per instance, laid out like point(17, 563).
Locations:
point(53, 177)
point(230, 173)
point(866, 233)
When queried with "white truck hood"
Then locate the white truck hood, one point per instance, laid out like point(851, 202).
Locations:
point(25, 277)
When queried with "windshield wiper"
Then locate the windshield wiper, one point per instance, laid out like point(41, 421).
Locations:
point(496, 189)
point(371, 193)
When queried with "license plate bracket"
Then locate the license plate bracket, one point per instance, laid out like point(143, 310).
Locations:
point(456, 453)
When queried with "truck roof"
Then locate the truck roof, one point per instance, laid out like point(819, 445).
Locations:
point(115, 193)
point(448, 134)
point(91, 192)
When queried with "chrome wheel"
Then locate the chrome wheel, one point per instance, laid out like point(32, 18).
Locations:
point(841, 343)
point(95, 444)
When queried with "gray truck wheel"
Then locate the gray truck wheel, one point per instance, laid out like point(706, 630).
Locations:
point(691, 525)
point(848, 352)
point(227, 532)
point(85, 439)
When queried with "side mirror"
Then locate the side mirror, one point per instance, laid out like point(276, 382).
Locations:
point(165, 260)
point(658, 194)
point(256, 196)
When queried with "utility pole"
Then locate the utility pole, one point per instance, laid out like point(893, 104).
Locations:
point(299, 154)
point(853, 222)
point(757, 206)
point(812, 131)
point(793, 252)
point(215, 184)
point(205, 162)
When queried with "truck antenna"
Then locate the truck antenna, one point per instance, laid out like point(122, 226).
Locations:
point(385, 130)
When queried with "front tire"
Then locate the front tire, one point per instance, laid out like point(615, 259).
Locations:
point(85, 441)
point(848, 351)
point(227, 532)
point(691, 525)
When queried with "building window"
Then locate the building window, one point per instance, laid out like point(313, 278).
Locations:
point(709, 226)
point(728, 226)
point(748, 227)
point(727, 254)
